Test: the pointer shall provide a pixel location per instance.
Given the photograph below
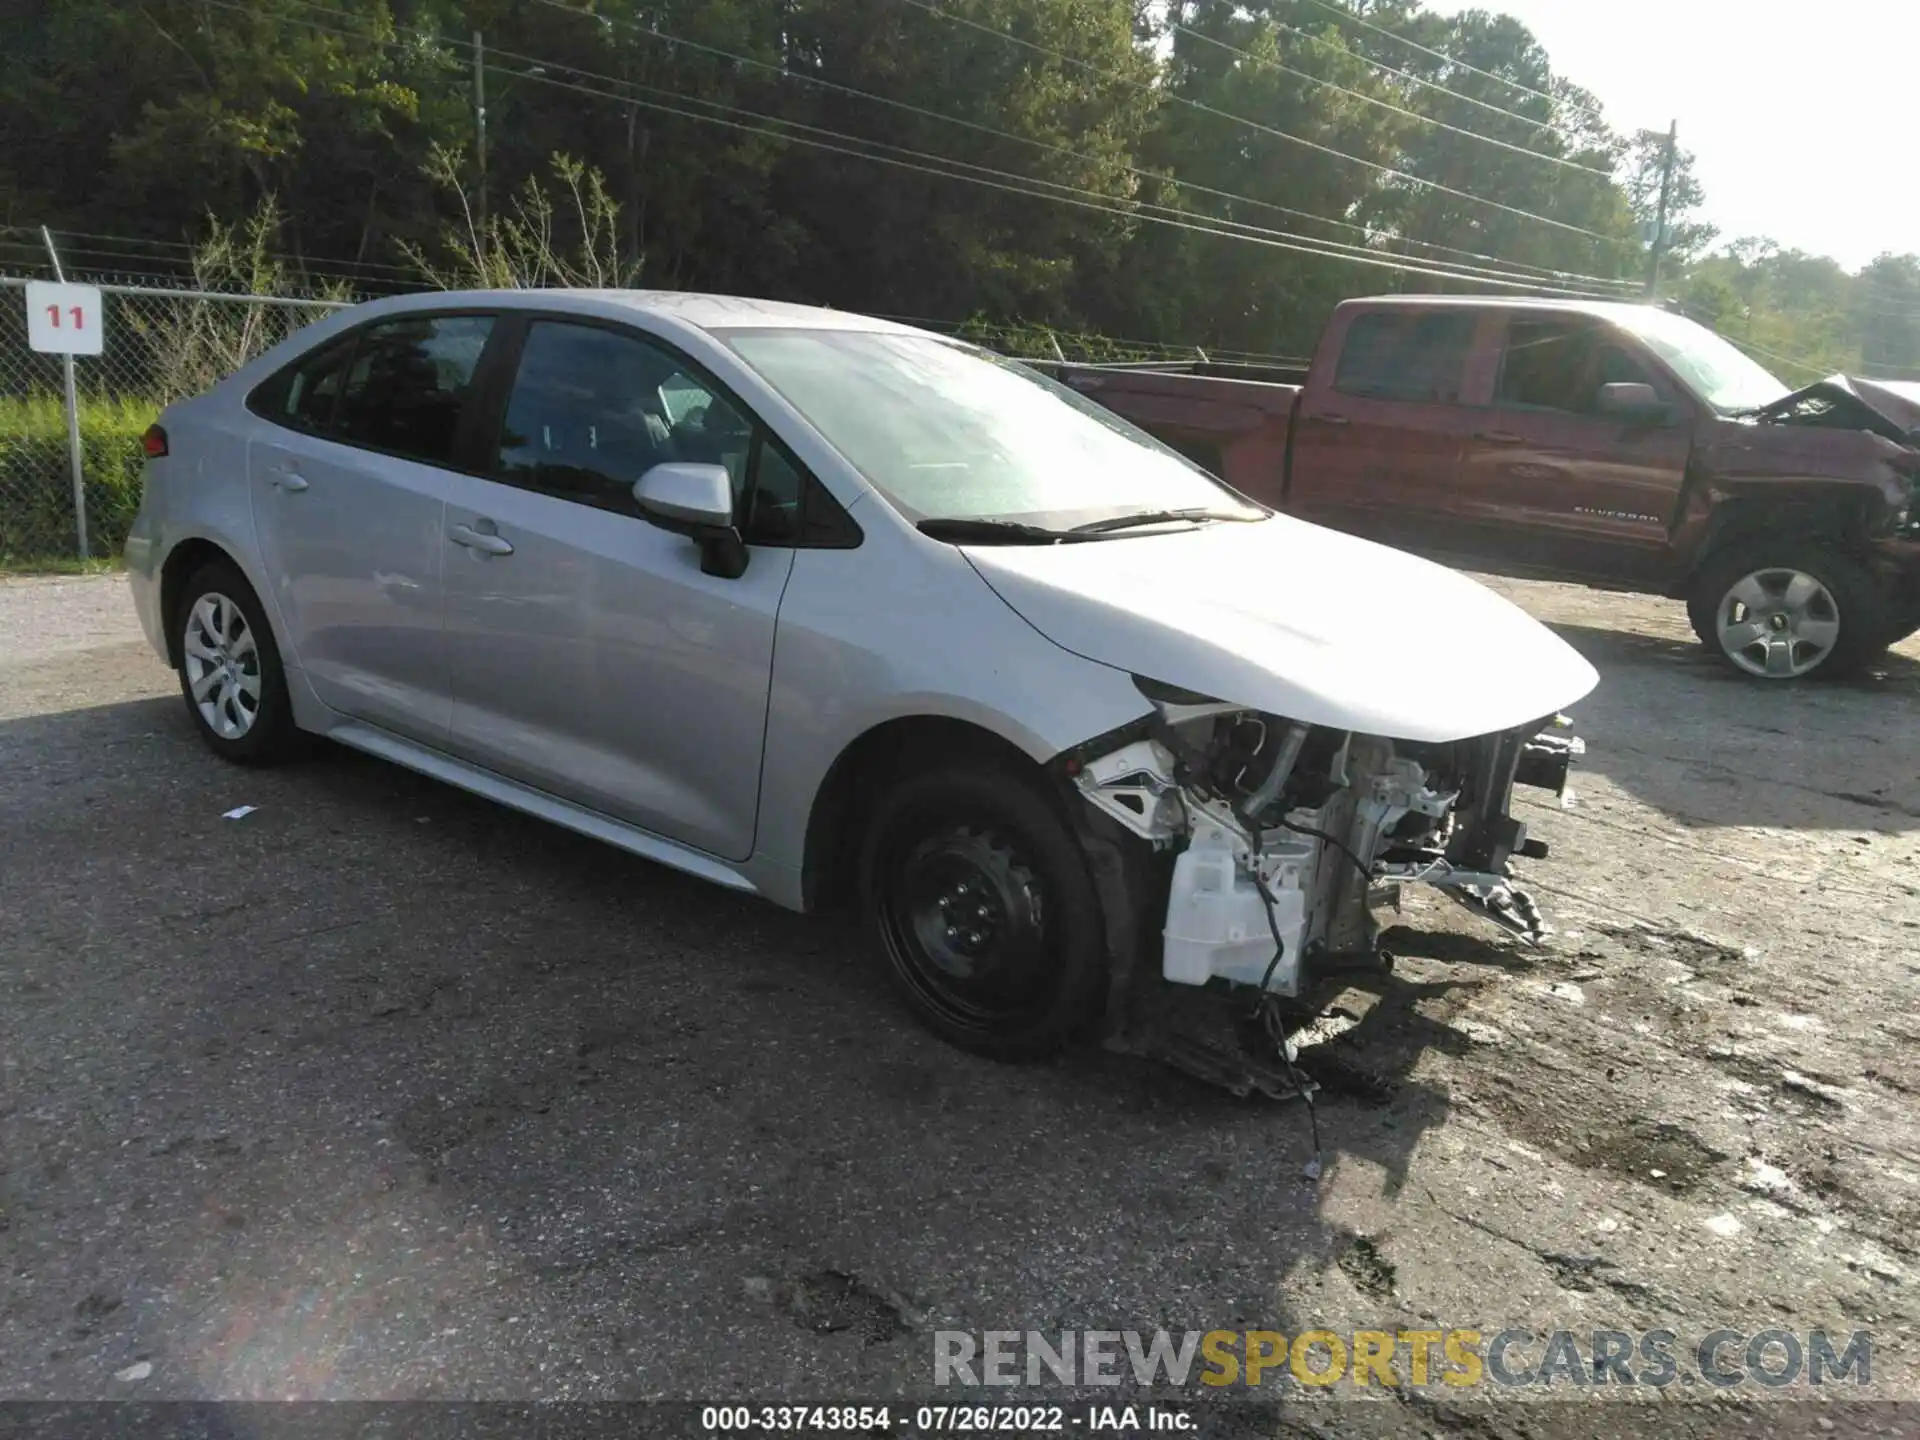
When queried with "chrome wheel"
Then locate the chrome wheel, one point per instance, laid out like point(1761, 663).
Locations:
point(1778, 624)
point(222, 661)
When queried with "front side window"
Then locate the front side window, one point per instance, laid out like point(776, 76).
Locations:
point(408, 384)
point(1406, 355)
point(593, 409)
point(1561, 364)
point(1548, 365)
point(945, 431)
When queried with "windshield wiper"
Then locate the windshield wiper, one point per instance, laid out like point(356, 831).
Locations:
point(961, 531)
point(1156, 517)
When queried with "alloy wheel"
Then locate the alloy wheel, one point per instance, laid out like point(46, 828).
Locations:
point(223, 665)
point(1778, 624)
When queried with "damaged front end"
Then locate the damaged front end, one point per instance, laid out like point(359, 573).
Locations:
point(1266, 845)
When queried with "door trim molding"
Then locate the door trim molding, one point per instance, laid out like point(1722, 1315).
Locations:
point(539, 804)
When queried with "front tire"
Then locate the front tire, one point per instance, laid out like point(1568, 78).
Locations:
point(985, 910)
point(1782, 612)
point(230, 672)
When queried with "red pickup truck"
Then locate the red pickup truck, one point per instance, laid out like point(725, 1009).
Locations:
point(1614, 444)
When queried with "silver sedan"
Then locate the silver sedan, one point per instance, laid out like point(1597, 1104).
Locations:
point(817, 606)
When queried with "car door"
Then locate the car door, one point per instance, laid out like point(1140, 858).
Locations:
point(1378, 444)
point(349, 482)
point(591, 655)
point(1559, 484)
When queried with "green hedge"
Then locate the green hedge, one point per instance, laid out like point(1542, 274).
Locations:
point(36, 477)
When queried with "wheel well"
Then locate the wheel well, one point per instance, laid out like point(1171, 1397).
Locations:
point(1835, 522)
point(863, 771)
point(182, 563)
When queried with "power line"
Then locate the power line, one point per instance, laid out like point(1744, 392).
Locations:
point(1413, 79)
point(654, 32)
point(1389, 105)
point(192, 247)
point(1386, 170)
point(1349, 16)
point(1061, 193)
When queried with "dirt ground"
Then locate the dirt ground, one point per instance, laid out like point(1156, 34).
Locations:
point(384, 1092)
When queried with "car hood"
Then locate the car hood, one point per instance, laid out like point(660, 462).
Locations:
point(1298, 621)
point(1886, 407)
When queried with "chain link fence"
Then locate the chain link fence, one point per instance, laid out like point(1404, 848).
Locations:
point(158, 345)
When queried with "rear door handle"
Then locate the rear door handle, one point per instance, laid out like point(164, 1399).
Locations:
point(1333, 419)
point(475, 540)
point(1499, 437)
point(289, 480)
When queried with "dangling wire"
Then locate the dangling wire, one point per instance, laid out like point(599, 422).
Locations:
point(1266, 1009)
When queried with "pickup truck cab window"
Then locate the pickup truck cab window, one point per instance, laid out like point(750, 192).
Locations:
point(1560, 365)
point(1407, 355)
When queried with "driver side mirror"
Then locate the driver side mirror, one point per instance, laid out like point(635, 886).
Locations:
point(1632, 400)
point(695, 501)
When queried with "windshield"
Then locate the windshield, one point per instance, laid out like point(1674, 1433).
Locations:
point(1713, 368)
point(945, 431)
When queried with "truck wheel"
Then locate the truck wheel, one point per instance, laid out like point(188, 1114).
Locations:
point(985, 909)
point(1780, 613)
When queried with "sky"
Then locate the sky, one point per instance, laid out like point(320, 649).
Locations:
point(1803, 127)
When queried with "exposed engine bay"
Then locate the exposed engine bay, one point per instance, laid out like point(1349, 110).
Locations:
point(1278, 840)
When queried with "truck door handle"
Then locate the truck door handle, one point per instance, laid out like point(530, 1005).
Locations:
point(475, 540)
point(1333, 419)
point(1499, 437)
point(289, 480)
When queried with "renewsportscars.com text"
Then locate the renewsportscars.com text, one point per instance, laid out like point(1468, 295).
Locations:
point(1459, 1358)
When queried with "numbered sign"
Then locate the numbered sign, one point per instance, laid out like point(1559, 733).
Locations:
point(64, 319)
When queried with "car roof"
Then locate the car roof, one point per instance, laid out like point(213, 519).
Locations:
point(1604, 309)
point(704, 312)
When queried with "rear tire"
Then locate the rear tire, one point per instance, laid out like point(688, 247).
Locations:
point(230, 672)
point(985, 910)
point(1780, 611)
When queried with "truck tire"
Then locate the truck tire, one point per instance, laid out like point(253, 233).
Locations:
point(1777, 611)
point(985, 910)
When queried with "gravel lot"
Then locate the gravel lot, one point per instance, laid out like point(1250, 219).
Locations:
point(384, 1092)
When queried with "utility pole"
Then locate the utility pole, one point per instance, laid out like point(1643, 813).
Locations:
point(1659, 245)
point(480, 141)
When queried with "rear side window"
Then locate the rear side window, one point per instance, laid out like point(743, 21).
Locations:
point(1406, 355)
point(303, 395)
point(408, 384)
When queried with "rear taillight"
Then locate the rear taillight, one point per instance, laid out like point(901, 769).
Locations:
point(154, 442)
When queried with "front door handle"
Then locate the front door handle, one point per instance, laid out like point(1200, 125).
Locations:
point(475, 540)
point(1499, 437)
point(291, 481)
point(1333, 419)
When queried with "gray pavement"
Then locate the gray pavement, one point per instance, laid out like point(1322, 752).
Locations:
point(382, 1091)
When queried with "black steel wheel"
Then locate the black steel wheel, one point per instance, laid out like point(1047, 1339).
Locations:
point(985, 910)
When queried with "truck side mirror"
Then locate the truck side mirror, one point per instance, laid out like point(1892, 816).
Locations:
point(1631, 400)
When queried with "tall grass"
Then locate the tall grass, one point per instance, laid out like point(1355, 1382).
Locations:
point(36, 477)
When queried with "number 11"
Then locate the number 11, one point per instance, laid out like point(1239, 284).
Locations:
point(79, 316)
